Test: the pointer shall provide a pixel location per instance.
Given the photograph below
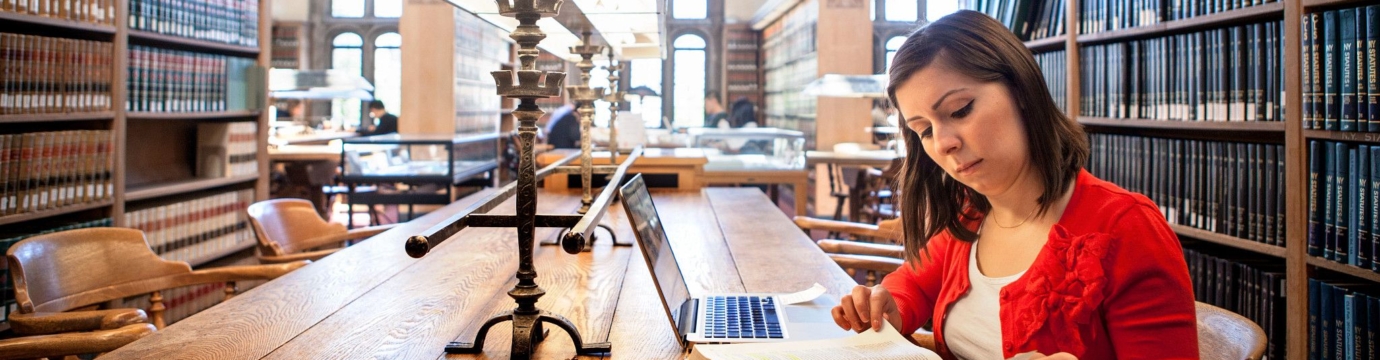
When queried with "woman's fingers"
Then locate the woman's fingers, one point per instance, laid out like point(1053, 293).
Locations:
point(880, 304)
point(862, 296)
point(850, 313)
point(839, 319)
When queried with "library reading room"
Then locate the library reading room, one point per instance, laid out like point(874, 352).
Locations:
point(690, 179)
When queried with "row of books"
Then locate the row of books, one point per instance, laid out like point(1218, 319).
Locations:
point(48, 170)
point(1341, 322)
point(227, 149)
point(1107, 15)
point(1252, 288)
point(1028, 19)
point(1228, 74)
point(44, 75)
point(13, 235)
point(162, 80)
point(1054, 66)
point(226, 21)
point(1343, 213)
point(88, 11)
point(1340, 88)
point(193, 229)
point(1189, 181)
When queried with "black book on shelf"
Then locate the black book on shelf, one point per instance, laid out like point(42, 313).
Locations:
point(1355, 325)
point(1346, 27)
point(1329, 202)
point(1374, 194)
point(1279, 195)
point(1352, 220)
point(1361, 208)
point(1358, 63)
point(1344, 165)
point(1372, 321)
point(1372, 78)
point(1331, 72)
point(1339, 329)
point(1314, 86)
point(1315, 334)
point(1326, 319)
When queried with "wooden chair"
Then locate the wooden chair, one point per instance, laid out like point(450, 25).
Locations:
point(877, 255)
point(288, 227)
point(62, 279)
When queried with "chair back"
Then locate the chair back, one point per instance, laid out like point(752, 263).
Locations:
point(70, 269)
point(1224, 335)
point(280, 223)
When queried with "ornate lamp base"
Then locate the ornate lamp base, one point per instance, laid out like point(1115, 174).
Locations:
point(527, 333)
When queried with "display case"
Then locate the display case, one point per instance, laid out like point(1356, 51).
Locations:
point(750, 149)
point(416, 169)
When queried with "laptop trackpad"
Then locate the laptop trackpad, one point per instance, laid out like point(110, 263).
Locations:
point(811, 320)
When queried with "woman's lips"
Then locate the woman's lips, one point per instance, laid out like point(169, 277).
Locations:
point(968, 168)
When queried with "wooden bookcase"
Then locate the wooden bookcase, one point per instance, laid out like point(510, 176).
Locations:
point(289, 45)
point(742, 65)
point(153, 153)
point(1299, 265)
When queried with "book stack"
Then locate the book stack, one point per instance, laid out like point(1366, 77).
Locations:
point(789, 62)
point(227, 149)
point(1028, 19)
point(48, 170)
point(1343, 221)
point(1184, 9)
point(1342, 322)
point(1054, 66)
point(1251, 288)
point(1340, 89)
point(1108, 15)
point(162, 80)
point(225, 21)
point(43, 75)
point(287, 47)
point(196, 229)
point(1230, 188)
point(1228, 74)
point(88, 11)
point(9, 237)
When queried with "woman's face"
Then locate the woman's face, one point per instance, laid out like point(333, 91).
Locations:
point(970, 128)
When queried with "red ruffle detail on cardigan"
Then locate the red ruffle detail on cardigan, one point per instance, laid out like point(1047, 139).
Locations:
point(1072, 285)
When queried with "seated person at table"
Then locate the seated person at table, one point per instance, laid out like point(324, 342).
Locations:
point(387, 123)
point(714, 113)
point(563, 130)
point(1011, 246)
point(744, 113)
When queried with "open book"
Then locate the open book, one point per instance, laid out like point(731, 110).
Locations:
point(885, 344)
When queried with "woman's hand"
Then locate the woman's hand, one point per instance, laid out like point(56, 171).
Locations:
point(866, 308)
point(1059, 356)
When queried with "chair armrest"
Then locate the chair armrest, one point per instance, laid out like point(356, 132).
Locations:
point(237, 273)
point(61, 322)
point(312, 256)
point(866, 262)
point(853, 228)
point(336, 239)
point(861, 248)
point(59, 345)
point(365, 232)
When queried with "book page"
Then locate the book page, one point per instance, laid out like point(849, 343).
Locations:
point(884, 344)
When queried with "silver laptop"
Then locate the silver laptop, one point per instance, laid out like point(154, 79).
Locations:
point(715, 318)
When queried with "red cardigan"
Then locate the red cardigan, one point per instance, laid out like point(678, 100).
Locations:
point(1111, 283)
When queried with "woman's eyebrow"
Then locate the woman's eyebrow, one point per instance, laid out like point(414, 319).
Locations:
point(946, 95)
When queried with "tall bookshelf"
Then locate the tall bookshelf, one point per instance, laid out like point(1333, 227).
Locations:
point(790, 61)
point(1091, 35)
point(138, 91)
point(742, 65)
point(289, 45)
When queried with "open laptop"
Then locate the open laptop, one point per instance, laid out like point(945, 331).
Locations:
point(715, 318)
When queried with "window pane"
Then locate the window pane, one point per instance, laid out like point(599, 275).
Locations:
point(388, 78)
point(893, 44)
point(938, 9)
point(347, 8)
point(599, 77)
point(690, 9)
point(347, 40)
point(903, 10)
point(388, 8)
point(348, 112)
point(688, 42)
point(688, 104)
point(645, 74)
point(388, 40)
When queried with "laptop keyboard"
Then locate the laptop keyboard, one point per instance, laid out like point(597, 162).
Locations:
point(741, 317)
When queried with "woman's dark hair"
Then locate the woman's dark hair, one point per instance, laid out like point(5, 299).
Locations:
point(981, 48)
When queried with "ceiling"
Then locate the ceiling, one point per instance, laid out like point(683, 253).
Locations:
point(632, 27)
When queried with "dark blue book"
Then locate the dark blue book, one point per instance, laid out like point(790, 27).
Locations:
point(1315, 70)
point(1362, 208)
point(1307, 75)
point(1372, 83)
point(1339, 317)
point(1314, 312)
point(1348, 327)
point(1329, 202)
point(1332, 86)
point(1353, 220)
point(1372, 321)
point(1374, 224)
point(1326, 317)
point(1362, 106)
point(1346, 29)
point(1316, 158)
point(1343, 199)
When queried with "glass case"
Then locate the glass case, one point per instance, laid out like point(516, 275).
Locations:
point(418, 158)
point(742, 149)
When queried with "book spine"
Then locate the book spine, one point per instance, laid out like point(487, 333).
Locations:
point(1315, 194)
point(1344, 166)
point(1330, 203)
point(1346, 28)
point(1314, 327)
point(1352, 220)
point(1331, 72)
point(1362, 207)
point(1372, 77)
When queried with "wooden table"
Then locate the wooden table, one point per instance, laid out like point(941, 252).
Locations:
point(874, 158)
point(372, 301)
point(685, 164)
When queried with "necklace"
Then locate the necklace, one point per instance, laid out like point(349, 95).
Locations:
point(1027, 218)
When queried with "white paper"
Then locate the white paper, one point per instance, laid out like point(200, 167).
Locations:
point(803, 295)
point(884, 344)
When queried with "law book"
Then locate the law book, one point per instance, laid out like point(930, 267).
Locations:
point(1331, 72)
point(1346, 28)
point(1372, 76)
point(1315, 332)
point(1330, 195)
point(1360, 104)
point(1361, 207)
point(1352, 220)
point(1373, 222)
point(1343, 199)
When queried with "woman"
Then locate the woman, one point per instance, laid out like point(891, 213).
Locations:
point(1011, 246)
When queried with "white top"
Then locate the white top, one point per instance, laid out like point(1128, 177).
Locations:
point(973, 325)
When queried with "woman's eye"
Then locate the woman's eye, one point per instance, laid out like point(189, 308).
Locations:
point(963, 111)
point(924, 134)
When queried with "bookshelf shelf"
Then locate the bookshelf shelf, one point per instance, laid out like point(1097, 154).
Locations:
point(11, 19)
point(1254, 126)
point(1047, 44)
point(1323, 3)
point(18, 218)
point(1344, 268)
point(1366, 137)
point(192, 115)
point(220, 254)
point(164, 189)
point(1272, 10)
point(34, 118)
point(153, 38)
point(1231, 241)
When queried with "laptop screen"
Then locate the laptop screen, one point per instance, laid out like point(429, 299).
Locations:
point(652, 237)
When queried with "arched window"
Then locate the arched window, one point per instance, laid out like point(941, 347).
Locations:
point(938, 9)
point(689, 66)
point(644, 75)
point(388, 8)
point(347, 8)
point(892, 44)
point(872, 10)
point(388, 71)
point(903, 10)
point(689, 9)
point(347, 53)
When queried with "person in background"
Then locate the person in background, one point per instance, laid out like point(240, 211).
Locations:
point(563, 130)
point(1011, 246)
point(744, 113)
point(387, 123)
point(714, 113)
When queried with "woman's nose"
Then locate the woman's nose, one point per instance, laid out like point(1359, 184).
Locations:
point(946, 139)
